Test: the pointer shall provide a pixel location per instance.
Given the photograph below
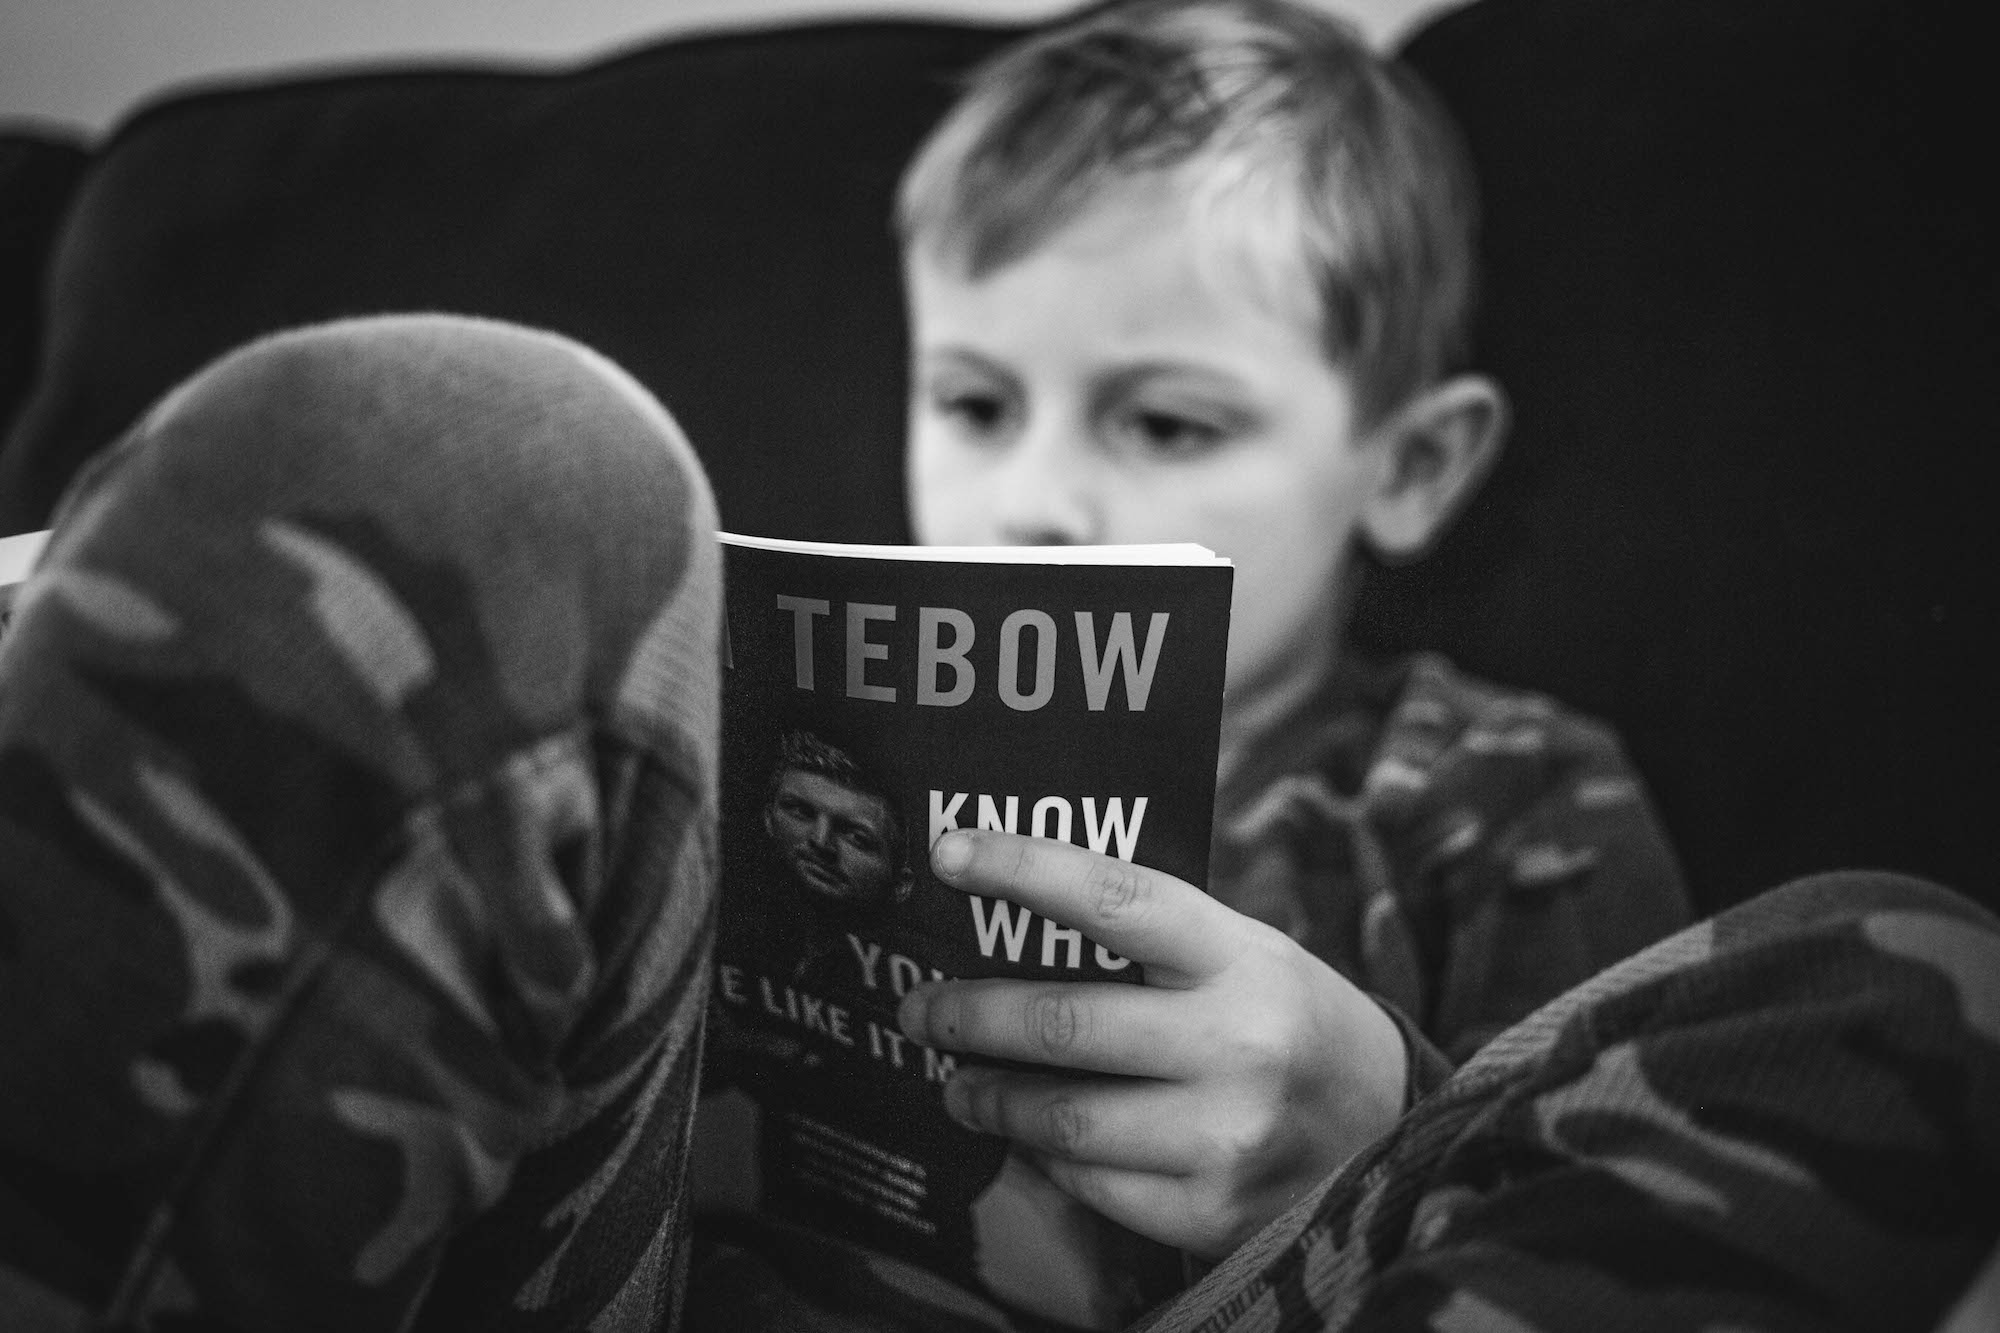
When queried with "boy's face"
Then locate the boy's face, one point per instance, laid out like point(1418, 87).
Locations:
point(1110, 386)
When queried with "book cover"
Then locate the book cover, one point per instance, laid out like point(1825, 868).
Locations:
point(874, 698)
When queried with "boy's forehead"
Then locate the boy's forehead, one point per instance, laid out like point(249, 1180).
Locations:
point(1233, 242)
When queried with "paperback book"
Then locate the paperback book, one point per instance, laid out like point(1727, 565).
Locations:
point(873, 698)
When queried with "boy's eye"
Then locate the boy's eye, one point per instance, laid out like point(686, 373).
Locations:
point(977, 412)
point(1175, 434)
point(977, 409)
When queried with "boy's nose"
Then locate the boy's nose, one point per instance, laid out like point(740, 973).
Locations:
point(1045, 494)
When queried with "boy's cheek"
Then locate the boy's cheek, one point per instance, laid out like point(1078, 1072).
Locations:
point(943, 500)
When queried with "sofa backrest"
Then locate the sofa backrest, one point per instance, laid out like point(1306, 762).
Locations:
point(709, 212)
point(39, 172)
point(1740, 283)
point(1741, 267)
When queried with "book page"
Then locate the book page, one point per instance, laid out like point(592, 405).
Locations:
point(17, 558)
point(1155, 553)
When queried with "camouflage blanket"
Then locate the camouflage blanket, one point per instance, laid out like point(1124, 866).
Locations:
point(357, 755)
point(1787, 1117)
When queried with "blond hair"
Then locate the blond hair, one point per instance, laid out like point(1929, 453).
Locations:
point(1325, 168)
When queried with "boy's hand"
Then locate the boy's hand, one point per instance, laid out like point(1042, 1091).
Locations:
point(1192, 1109)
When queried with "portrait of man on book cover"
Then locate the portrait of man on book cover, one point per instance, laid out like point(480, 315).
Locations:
point(836, 832)
point(812, 963)
point(837, 923)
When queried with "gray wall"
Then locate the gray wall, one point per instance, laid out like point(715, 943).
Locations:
point(84, 62)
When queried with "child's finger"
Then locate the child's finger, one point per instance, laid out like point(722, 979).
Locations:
point(1142, 914)
point(1103, 1027)
point(1126, 1125)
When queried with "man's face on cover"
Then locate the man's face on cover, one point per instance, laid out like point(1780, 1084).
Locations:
point(836, 841)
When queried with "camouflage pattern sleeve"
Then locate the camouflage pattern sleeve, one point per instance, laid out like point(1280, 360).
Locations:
point(1461, 850)
point(1532, 857)
point(1787, 1117)
point(357, 764)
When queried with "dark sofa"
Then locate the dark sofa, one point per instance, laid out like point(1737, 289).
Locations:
point(1741, 282)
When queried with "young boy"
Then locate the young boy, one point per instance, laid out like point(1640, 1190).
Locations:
point(1201, 270)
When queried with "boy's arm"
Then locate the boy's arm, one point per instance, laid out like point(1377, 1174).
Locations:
point(1574, 874)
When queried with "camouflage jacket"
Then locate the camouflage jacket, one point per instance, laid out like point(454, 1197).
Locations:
point(1462, 851)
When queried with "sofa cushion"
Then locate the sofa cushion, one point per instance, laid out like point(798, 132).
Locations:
point(711, 212)
point(39, 172)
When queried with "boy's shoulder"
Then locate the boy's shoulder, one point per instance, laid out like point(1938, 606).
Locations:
point(1429, 707)
point(1415, 745)
point(1439, 736)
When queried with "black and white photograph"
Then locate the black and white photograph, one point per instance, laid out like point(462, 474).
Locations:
point(999, 666)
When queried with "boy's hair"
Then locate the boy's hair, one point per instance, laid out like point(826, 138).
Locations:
point(1316, 156)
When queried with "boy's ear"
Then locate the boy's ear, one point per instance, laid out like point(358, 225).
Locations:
point(1435, 451)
